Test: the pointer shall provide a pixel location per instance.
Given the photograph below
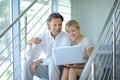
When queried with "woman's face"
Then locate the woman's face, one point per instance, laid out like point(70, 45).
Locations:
point(73, 32)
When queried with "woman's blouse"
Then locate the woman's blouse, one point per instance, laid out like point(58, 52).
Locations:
point(86, 43)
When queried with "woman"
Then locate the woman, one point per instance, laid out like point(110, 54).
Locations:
point(72, 72)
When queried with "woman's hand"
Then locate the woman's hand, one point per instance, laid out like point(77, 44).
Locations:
point(67, 65)
point(75, 65)
point(34, 41)
point(70, 65)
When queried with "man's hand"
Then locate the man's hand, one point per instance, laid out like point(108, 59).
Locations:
point(34, 41)
point(35, 65)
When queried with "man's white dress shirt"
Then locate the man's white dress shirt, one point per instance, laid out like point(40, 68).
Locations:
point(49, 42)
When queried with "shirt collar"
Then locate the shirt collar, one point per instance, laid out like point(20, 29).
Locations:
point(51, 37)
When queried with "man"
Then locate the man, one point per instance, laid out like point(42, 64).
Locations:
point(53, 37)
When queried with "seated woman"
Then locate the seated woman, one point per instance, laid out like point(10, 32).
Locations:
point(73, 71)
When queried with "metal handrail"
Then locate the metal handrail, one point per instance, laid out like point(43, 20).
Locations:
point(24, 27)
point(1, 34)
point(109, 17)
point(23, 37)
point(87, 68)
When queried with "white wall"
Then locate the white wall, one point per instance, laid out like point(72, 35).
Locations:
point(91, 15)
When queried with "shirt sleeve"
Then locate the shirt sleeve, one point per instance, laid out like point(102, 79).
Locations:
point(33, 52)
point(89, 43)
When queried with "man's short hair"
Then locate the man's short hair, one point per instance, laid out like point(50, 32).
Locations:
point(54, 15)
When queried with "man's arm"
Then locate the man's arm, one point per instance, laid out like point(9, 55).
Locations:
point(35, 65)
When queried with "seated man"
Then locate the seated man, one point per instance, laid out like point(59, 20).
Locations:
point(54, 37)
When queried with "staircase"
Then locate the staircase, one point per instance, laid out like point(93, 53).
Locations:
point(104, 61)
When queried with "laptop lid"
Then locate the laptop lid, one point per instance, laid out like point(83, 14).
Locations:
point(68, 55)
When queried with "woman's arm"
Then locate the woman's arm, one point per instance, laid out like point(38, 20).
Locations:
point(89, 51)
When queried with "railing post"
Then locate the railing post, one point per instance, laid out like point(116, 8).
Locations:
point(93, 70)
point(54, 5)
point(25, 23)
point(114, 49)
point(16, 40)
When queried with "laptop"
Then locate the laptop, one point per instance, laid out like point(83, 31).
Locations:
point(68, 55)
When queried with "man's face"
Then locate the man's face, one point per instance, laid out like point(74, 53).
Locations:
point(55, 26)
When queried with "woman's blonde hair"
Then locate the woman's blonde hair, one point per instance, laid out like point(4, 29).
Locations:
point(72, 23)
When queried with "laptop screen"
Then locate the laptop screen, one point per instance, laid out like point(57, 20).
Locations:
point(68, 55)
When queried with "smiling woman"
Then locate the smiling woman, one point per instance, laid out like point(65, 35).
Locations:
point(73, 71)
